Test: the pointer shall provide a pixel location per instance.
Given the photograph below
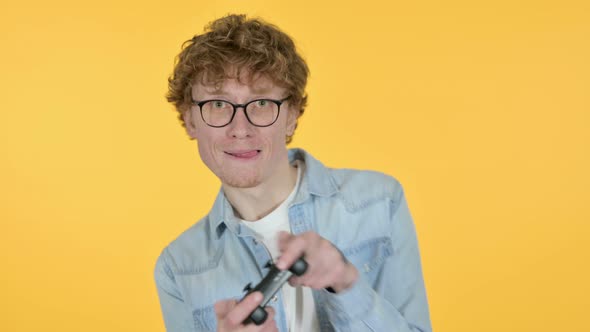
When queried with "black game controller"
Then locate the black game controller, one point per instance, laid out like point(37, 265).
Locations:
point(271, 284)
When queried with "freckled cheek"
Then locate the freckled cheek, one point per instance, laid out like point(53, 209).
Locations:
point(207, 141)
point(276, 143)
point(207, 153)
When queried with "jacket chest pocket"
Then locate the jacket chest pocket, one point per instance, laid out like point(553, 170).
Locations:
point(206, 289)
point(205, 319)
point(368, 256)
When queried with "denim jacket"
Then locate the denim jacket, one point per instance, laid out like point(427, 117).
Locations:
point(363, 213)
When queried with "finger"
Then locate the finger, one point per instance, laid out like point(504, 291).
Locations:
point(243, 309)
point(329, 273)
point(283, 239)
point(341, 278)
point(325, 281)
point(308, 280)
point(223, 307)
point(270, 324)
point(270, 328)
point(292, 250)
point(295, 281)
point(324, 260)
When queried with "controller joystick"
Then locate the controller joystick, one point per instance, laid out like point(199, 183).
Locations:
point(270, 285)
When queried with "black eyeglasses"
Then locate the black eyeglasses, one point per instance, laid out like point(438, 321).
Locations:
point(260, 112)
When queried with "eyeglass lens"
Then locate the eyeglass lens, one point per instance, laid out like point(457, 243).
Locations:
point(219, 112)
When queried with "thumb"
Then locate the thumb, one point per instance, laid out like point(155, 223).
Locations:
point(222, 308)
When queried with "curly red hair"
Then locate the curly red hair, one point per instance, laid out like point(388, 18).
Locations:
point(241, 44)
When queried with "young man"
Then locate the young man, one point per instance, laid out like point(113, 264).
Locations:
point(239, 89)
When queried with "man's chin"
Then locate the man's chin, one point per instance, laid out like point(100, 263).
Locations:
point(241, 182)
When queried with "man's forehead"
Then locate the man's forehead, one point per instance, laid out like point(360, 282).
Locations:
point(225, 87)
point(256, 84)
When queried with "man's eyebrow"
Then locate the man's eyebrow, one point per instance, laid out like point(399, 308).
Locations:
point(215, 91)
point(259, 90)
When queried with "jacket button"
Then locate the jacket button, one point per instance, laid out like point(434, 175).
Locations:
point(275, 298)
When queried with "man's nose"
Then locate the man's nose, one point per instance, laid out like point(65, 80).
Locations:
point(240, 127)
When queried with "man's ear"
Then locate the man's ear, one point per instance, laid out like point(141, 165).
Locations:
point(292, 116)
point(189, 124)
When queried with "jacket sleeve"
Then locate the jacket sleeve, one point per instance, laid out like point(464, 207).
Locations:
point(177, 314)
point(401, 305)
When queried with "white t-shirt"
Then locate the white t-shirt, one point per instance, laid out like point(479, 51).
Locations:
point(298, 301)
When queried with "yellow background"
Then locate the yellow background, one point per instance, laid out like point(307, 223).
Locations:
point(480, 109)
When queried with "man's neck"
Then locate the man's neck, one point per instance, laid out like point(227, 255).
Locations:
point(255, 203)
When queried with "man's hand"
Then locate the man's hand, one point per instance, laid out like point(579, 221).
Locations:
point(231, 315)
point(326, 265)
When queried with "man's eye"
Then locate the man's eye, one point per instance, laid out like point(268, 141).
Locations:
point(218, 104)
point(262, 103)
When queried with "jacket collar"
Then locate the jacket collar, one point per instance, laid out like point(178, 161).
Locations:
point(316, 180)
